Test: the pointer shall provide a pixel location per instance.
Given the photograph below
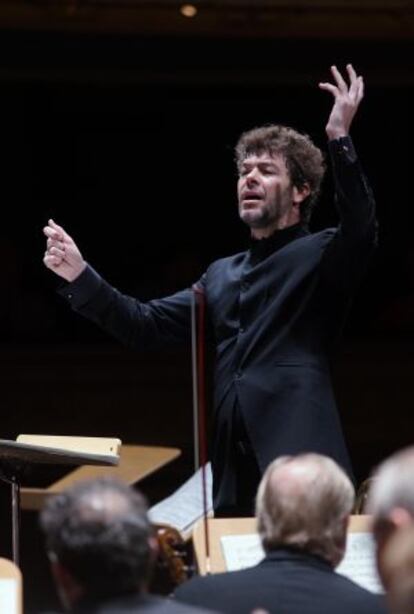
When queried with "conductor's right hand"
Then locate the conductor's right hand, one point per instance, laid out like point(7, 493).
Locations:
point(62, 255)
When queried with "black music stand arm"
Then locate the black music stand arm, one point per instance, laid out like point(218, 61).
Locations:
point(15, 503)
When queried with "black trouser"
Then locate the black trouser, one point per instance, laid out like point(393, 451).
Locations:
point(243, 473)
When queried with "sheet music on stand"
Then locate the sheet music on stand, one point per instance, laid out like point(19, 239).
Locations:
point(184, 507)
point(241, 551)
point(8, 596)
point(358, 564)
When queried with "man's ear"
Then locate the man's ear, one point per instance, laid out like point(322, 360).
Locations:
point(400, 517)
point(299, 194)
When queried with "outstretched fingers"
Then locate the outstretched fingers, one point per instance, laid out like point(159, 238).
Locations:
point(348, 91)
point(354, 92)
point(356, 89)
point(329, 87)
point(353, 79)
point(340, 81)
point(360, 93)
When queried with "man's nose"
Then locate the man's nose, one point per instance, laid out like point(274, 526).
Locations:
point(252, 177)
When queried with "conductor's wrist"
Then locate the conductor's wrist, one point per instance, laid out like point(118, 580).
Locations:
point(77, 272)
point(336, 133)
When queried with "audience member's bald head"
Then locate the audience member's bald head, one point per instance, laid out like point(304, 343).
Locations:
point(305, 501)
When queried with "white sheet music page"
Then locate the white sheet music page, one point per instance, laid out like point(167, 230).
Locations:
point(359, 564)
point(241, 551)
point(8, 596)
point(184, 507)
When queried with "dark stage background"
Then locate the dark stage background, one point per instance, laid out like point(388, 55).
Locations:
point(127, 142)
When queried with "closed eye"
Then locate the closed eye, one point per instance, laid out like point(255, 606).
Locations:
point(269, 169)
point(266, 170)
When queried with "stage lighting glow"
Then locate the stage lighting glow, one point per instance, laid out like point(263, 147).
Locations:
point(188, 10)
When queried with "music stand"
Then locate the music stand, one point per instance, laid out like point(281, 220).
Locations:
point(15, 460)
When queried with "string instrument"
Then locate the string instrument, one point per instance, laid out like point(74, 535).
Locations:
point(174, 564)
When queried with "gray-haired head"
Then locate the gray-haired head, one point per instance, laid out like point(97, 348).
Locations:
point(304, 501)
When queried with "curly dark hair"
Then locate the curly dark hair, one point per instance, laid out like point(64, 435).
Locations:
point(304, 161)
point(99, 531)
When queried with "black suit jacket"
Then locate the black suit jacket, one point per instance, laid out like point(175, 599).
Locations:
point(274, 314)
point(285, 582)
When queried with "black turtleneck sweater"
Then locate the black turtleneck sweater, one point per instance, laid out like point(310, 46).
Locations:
point(275, 312)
